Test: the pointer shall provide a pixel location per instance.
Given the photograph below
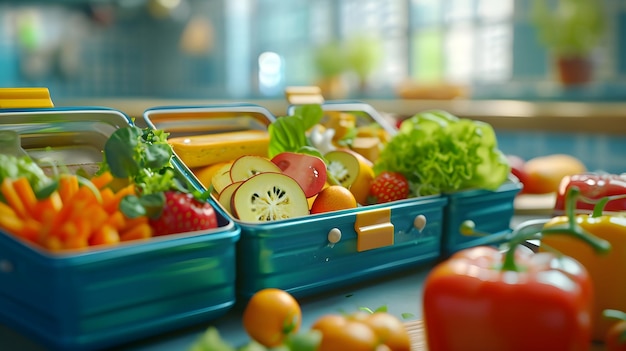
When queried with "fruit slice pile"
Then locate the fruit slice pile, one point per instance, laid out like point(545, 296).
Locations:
point(255, 189)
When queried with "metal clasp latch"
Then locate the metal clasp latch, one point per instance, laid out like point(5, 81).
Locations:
point(374, 229)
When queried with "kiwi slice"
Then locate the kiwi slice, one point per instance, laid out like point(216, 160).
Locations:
point(343, 166)
point(268, 197)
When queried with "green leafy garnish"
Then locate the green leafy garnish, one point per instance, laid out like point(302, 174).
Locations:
point(288, 133)
point(141, 156)
point(439, 152)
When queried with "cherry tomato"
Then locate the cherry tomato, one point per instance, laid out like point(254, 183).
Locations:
point(271, 315)
point(309, 171)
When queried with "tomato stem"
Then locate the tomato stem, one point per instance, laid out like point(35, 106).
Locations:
point(530, 230)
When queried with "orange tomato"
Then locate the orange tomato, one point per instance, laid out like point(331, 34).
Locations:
point(390, 330)
point(340, 334)
point(271, 315)
point(333, 198)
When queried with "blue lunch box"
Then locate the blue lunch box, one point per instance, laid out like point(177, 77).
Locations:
point(105, 296)
point(312, 254)
point(490, 211)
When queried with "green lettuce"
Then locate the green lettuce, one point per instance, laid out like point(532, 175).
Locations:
point(15, 167)
point(439, 152)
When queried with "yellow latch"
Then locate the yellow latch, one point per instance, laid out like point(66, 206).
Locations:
point(374, 229)
point(25, 98)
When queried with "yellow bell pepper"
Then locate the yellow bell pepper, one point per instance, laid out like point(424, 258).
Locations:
point(607, 271)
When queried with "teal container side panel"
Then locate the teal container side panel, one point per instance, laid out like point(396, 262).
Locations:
point(82, 302)
point(297, 256)
point(490, 211)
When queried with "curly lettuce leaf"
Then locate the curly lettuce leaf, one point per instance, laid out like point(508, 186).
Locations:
point(439, 152)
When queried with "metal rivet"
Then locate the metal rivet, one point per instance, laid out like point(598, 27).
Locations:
point(334, 235)
point(419, 222)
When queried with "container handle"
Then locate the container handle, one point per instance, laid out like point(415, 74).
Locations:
point(25, 98)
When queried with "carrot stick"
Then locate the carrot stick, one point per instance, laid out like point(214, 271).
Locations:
point(26, 194)
point(47, 208)
point(107, 195)
point(133, 222)
point(102, 180)
point(73, 207)
point(6, 210)
point(113, 204)
point(141, 231)
point(11, 224)
point(68, 186)
point(12, 198)
point(52, 243)
point(116, 220)
point(31, 230)
point(104, 235)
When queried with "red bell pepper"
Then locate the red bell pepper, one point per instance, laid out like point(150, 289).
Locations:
point(483, 298)
point(593, 187)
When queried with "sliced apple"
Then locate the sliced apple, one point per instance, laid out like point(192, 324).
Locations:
point(269, 196)
point(247, 166)
point(221, 178)
point(226, 195)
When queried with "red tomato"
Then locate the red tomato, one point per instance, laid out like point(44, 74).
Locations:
point(595, 187)
point(308, 170)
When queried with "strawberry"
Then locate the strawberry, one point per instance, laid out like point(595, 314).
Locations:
point(389, 186)
point(183, 213)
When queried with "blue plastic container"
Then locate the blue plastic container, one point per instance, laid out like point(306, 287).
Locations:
point(490, 211)
point(102, 297)
point(315, 253)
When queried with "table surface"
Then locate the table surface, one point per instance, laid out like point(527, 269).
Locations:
point(400, 293)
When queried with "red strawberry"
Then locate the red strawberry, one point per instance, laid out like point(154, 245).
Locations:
point(183, 213)
point(389, 186)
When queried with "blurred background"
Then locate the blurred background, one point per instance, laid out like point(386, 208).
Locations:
point(481, 49)
point(496, 60)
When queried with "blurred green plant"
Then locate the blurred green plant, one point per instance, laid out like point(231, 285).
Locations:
point(359, 54)
point(569, 27)
point(330, 59)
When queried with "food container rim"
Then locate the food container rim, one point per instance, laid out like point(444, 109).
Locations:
point(228, 232)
